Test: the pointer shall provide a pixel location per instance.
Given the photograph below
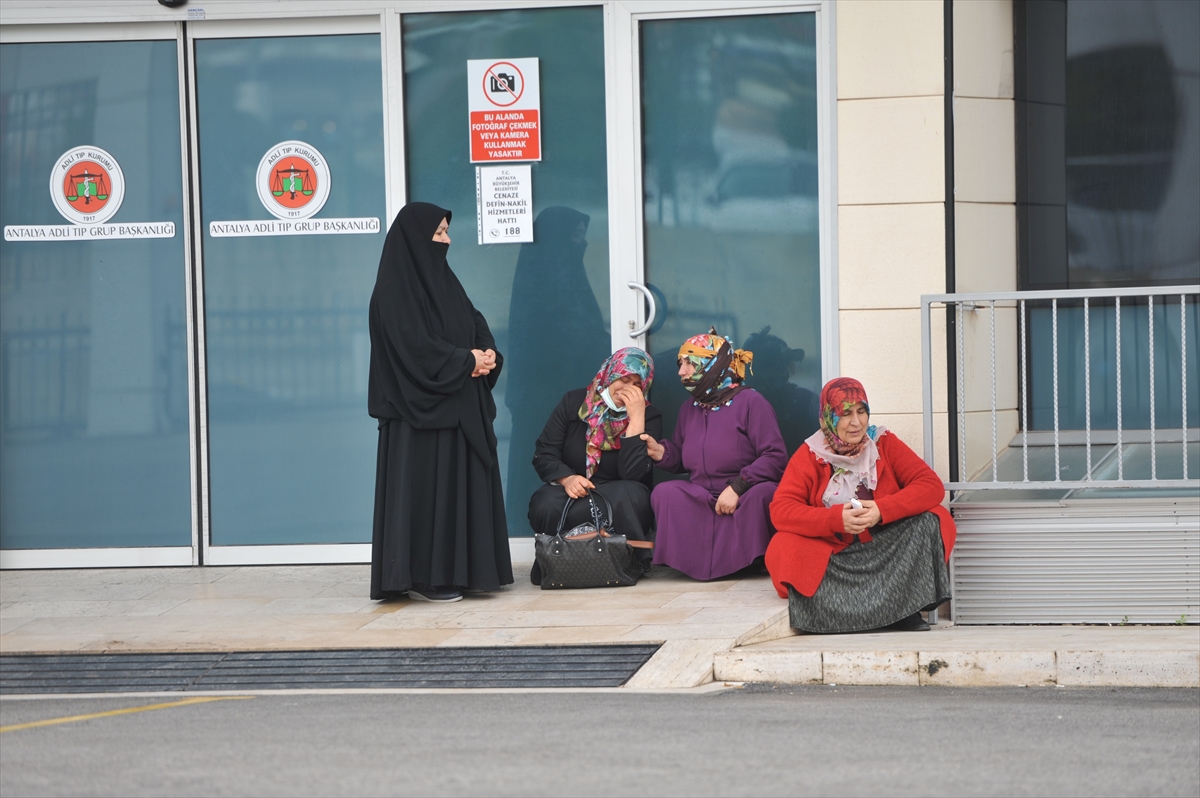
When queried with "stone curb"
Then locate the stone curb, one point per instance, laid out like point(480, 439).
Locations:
point(962, 668)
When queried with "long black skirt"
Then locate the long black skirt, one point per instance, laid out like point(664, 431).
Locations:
point(901, 570)
point(439, 513)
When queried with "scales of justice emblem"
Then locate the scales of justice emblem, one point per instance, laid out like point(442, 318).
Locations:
point(293, 180)
point(87, 185)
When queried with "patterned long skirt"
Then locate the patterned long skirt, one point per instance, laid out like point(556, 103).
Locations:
point(870, 585)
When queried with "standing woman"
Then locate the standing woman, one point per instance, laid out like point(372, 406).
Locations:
point(439, 508)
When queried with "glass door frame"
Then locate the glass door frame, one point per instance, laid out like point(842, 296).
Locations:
point(131, 556)
point(387, 26)
point(622, 19)
point(626, 207)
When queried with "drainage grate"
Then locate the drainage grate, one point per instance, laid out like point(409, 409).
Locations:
point(558, 666)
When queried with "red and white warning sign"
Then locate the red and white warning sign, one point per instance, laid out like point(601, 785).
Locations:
point(504, 97)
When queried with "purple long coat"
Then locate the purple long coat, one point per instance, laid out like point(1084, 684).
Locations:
point(740, 440)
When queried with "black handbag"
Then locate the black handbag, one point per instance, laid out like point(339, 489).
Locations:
point(588, 555)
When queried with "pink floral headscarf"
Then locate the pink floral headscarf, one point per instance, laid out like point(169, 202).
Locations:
point(605, 425)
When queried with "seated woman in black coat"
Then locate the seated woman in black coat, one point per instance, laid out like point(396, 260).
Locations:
point(593, 441)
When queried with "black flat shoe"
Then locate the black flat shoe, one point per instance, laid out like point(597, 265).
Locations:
point(913, 623)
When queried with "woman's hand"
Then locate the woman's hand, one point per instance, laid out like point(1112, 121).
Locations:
point(485, 361)
point(632, 398)
point(634, 401)
point(727, 502)
point(653, 448)
point(858, 521)
point(576, 486)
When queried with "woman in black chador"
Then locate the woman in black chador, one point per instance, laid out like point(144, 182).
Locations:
point(439, 507)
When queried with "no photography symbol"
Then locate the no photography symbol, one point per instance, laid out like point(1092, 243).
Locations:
point(498, 82)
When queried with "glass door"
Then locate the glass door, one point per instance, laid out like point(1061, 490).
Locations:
point(546, 301)
point(95, 432)
point(729, 219)
point(730, 227)
point(290, 137)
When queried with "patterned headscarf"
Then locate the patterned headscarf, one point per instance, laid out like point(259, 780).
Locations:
point(853, 464)
point(720, 369)
point(604, 424)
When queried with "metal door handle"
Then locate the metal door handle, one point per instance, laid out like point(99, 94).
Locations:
point(653, 309)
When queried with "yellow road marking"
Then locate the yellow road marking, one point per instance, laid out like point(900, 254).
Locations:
point(127, 711)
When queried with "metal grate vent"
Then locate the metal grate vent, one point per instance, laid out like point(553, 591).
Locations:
point(558, 666)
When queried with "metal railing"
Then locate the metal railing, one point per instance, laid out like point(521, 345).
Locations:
point(959, 304)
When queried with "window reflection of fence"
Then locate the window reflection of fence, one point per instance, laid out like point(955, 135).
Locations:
point(46, 380)
point(45, 377)
point(275, 359)
point(36, 125)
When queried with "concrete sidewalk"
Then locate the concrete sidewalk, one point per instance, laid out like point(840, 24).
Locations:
point(732, 630)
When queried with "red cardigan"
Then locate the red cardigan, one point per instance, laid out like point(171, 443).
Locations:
point(807, 531)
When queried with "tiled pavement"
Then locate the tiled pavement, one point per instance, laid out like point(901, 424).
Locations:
point(309, 607)
point(733, 629)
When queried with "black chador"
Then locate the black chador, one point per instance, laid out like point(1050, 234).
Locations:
point(439, 506)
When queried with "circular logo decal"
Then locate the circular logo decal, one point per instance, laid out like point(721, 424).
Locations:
point(87, 185)
point(293, 180)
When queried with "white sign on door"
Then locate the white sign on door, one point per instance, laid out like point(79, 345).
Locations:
point(504, 97)
point(504, 198)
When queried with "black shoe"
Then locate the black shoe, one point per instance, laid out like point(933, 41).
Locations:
point(913, 623)
point(439, 595)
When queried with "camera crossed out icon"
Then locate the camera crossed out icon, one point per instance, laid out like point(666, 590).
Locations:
point(503, 84)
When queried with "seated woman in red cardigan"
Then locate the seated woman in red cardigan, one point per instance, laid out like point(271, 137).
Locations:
point(862, 539)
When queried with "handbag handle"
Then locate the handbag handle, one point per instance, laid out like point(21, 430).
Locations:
point(562, 521)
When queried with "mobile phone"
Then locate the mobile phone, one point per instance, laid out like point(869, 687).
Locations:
point(856, 504)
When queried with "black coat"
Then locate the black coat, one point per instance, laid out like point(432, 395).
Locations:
point(561, 449)
point(623, 476)
point(423, 328)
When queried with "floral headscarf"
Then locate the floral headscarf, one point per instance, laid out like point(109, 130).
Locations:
point(604, 424)
point(853, 464)
point(720, 369)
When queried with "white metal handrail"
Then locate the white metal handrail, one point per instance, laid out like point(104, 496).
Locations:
point(1018, 300)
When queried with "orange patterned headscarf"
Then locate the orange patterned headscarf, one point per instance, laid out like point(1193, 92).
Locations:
point(720, 369)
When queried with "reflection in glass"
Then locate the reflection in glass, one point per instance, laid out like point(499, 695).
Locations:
point(547, 303)
point(93, 359)
point(797, 409)
point(1133, 142)
point(291, 448)
point(1132, 166)
point(730, 180)
point(554, 318)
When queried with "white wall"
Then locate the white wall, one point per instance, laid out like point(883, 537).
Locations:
point(891, 202)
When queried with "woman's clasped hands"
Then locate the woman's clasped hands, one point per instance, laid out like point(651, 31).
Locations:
point(485, 361)
point(859, 520)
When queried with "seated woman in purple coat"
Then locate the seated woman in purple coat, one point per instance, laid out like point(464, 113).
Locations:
point(718, 522)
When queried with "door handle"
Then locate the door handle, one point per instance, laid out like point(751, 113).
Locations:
point(653, 309)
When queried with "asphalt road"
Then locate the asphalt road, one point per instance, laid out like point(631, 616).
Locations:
point(760, 740)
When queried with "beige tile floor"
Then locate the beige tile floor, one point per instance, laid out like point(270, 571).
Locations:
point(282, 607)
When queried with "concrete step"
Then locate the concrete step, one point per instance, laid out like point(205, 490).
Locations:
point(976, 656)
